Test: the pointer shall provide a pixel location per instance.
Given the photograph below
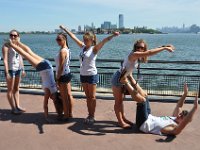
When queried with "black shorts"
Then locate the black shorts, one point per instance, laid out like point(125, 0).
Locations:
point(65, 78)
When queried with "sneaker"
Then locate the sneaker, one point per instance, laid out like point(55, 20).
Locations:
point(16, 112)
point(89, 120)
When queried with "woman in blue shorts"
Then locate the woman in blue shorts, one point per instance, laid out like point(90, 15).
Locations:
point(14, 68)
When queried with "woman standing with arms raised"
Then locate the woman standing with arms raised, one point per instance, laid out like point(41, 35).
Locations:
point(88, 70)
point(14, 67)
point(63, 75)
point(138, 54)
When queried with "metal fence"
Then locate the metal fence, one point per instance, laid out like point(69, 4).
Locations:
point(165, 78)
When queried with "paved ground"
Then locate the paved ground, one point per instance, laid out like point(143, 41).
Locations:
point(29, 131)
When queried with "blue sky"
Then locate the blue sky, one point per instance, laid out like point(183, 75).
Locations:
point(27, 15)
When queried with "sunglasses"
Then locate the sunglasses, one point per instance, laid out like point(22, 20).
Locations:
point(13, 35)
point(58, 40)
point(140, 47)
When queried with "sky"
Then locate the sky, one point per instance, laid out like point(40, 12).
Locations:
point(47, 15)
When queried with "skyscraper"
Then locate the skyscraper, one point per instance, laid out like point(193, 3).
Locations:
point(121, 21)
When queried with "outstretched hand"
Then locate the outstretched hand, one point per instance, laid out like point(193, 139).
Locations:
point(116, 33)
point(62, 27)
point(170, 48)
point(185, 89)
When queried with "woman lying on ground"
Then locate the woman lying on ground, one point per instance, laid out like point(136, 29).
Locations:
point(88, 70)
point(14, 68)
point(63, 75)
point(164, 125)
point(41, 65)
point(138, 54)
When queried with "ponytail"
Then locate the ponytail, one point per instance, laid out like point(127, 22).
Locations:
point(65, 37)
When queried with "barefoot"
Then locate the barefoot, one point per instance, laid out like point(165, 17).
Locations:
point(128, 122)
point(125, 126)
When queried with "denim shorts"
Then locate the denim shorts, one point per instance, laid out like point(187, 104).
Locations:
point(115, 79)
point(14, 73)
point(65, 78)
point(93, 79)
point(43, 65)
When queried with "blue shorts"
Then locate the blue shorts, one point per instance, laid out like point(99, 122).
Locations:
point(93, 79)
point(65, 78)
point(43, 65)
point(14, 73)
point(115, 79)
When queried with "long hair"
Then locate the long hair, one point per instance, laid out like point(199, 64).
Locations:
point(64, 37)
point(91, 36)
point(144, 59)
point(15, 31)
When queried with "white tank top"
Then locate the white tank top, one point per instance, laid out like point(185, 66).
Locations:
point(128, 65)
point(66, 68)
point(88, 62)
point(14, 60)
point(155, 124)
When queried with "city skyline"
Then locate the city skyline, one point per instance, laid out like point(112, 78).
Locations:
point(45, 15)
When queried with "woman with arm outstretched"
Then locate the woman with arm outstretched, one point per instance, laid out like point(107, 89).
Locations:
point(88, 70)
point(139, 53)
point(41, 65)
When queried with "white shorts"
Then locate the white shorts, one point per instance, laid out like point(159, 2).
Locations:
point(48, 80)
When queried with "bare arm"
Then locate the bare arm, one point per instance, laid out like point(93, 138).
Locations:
point(178, 108)
point(101, 44)
point(137, 55)
point(175, 130)
point(78, 42)
point(5, 58)
point(63, 56)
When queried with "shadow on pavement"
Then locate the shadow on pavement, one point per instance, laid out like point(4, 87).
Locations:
point(99, 128)
point(26, 118)
point(168, 139)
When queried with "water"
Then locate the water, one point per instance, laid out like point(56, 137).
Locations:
point(187, 45)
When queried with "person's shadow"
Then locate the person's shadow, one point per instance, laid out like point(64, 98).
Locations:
point(26, 118)
point(99, 128)
point(167, 139)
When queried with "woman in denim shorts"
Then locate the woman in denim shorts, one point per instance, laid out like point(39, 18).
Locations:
point(14, 67)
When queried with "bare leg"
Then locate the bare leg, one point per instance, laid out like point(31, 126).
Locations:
point(16, 94)
point(118, 107)
point(92, 99)
point(33, 61)
point(71, 100)
point(64, 96)
point(10, 86)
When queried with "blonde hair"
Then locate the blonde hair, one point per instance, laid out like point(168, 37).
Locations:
point(144, 59)
point(91, 36)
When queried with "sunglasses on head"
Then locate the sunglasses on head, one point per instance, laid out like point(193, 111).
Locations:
point(13, 35)
point(140, 47)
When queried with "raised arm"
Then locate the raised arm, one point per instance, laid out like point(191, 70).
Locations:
point(78, 42)
point(137, 55)
point(178, 108)
point(175, 130)
point(101, 44)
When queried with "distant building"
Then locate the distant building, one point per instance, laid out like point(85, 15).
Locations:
point(58, 30)
point(79, 28)
point(73, 30)
point(107, 25)
point(121, 21)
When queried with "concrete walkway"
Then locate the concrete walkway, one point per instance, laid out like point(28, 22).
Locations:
point(29, 131)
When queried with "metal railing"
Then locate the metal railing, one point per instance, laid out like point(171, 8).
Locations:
point(165, 78)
